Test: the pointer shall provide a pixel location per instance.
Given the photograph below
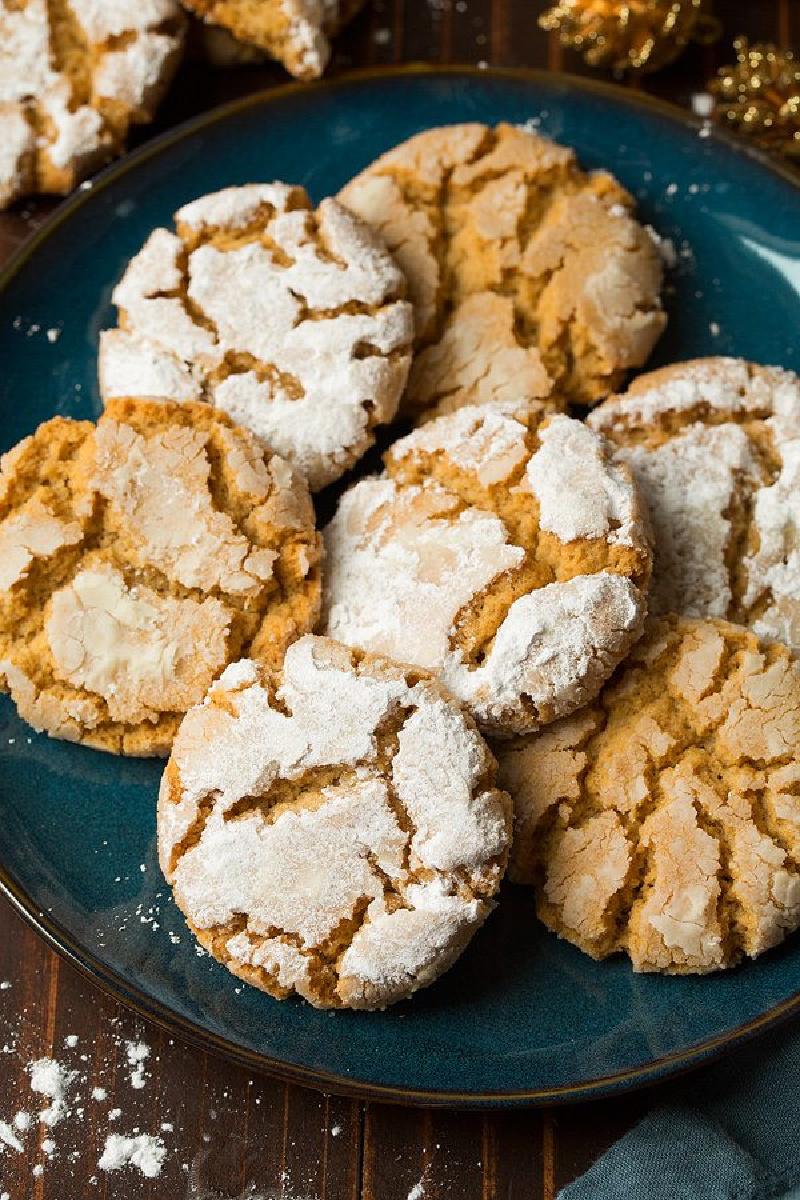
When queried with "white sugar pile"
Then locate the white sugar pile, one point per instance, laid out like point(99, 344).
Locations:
point(8, 1137)
point(137, 1053)
point(52, 1080)
point(143, 1151)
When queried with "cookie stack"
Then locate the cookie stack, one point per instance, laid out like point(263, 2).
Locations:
point(367, 728)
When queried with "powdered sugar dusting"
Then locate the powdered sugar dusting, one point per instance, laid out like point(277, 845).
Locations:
point(688, 484)
point(723, 384)
point(235, 207)
point(144, 1151)
point(137, 1053)
point(556, 646)
point(485, 440)
point(52, 1080)
point(581, 492)
point(403, 547)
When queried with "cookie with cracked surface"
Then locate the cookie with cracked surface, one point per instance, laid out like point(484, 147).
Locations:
point(715, 447)
point(290, 320)
point(140, 556)
point(332, 830)
point(503, 551)
point(74, 76)
point(295, 32)
point(501, 226)
point(664, 820)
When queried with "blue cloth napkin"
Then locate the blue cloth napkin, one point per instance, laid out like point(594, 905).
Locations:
point(733, 1133)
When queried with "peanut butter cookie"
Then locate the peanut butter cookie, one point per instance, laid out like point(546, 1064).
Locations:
point(500, 228)
point(74, 75)
point(715, 447)
point(295, 32)
point(332, 830)
point(664, 820)
point(291, 321)
point(139, 557)
point(502, 551)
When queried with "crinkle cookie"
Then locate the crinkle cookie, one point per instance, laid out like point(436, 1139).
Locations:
point(715, 447)
point(332, 830)
point(290, 320)
point(500, 228)
point(74, 75)
point(139, 557)
point(295, 32)
point(664, 820)
point(503, 552)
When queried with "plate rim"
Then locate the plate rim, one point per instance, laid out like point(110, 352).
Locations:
point(161, 1014)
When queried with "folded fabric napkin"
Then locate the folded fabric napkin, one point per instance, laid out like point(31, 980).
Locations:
point(733, 1133)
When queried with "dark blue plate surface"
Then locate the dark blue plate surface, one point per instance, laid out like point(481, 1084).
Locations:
point(522, 1016)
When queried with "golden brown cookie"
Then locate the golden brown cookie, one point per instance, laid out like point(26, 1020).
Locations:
point(500, 227)
point(332, 830)
point(74, 75)
point(139, 557)
point(295, 32)
point(502, 551)
point(664, 820)
point(291, 321)
point(715, 447)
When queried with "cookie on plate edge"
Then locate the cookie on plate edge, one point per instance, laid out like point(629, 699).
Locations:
point(140, 556)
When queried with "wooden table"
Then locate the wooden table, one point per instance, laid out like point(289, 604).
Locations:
point(231, 1136)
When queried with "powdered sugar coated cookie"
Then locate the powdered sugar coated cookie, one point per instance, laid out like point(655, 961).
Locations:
point(715, 446)
point(139, 557)
point(334, 829)
point(664, 819)
point(74, 75)
point(291, 321)
point(504, 552)
point(527, 275)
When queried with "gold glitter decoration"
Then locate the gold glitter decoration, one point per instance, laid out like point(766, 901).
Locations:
point(760, 95)
point(641, 35)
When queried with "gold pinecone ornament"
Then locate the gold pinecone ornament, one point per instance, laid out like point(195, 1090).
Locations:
point(640, 35)
point(760, 95)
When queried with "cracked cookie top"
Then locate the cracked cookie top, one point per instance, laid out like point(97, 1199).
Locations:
point(502, 551)
point(332, 830)
point(291, 321)
point(664, 820)
point(139, 557)
point(74, 75)
point(506, 243)
point(715, 447)
point(295, 32)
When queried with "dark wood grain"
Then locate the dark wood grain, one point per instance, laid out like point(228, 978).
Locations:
point(231, 1135)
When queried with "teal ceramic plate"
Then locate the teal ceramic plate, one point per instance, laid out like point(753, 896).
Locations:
point(522, 1017)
